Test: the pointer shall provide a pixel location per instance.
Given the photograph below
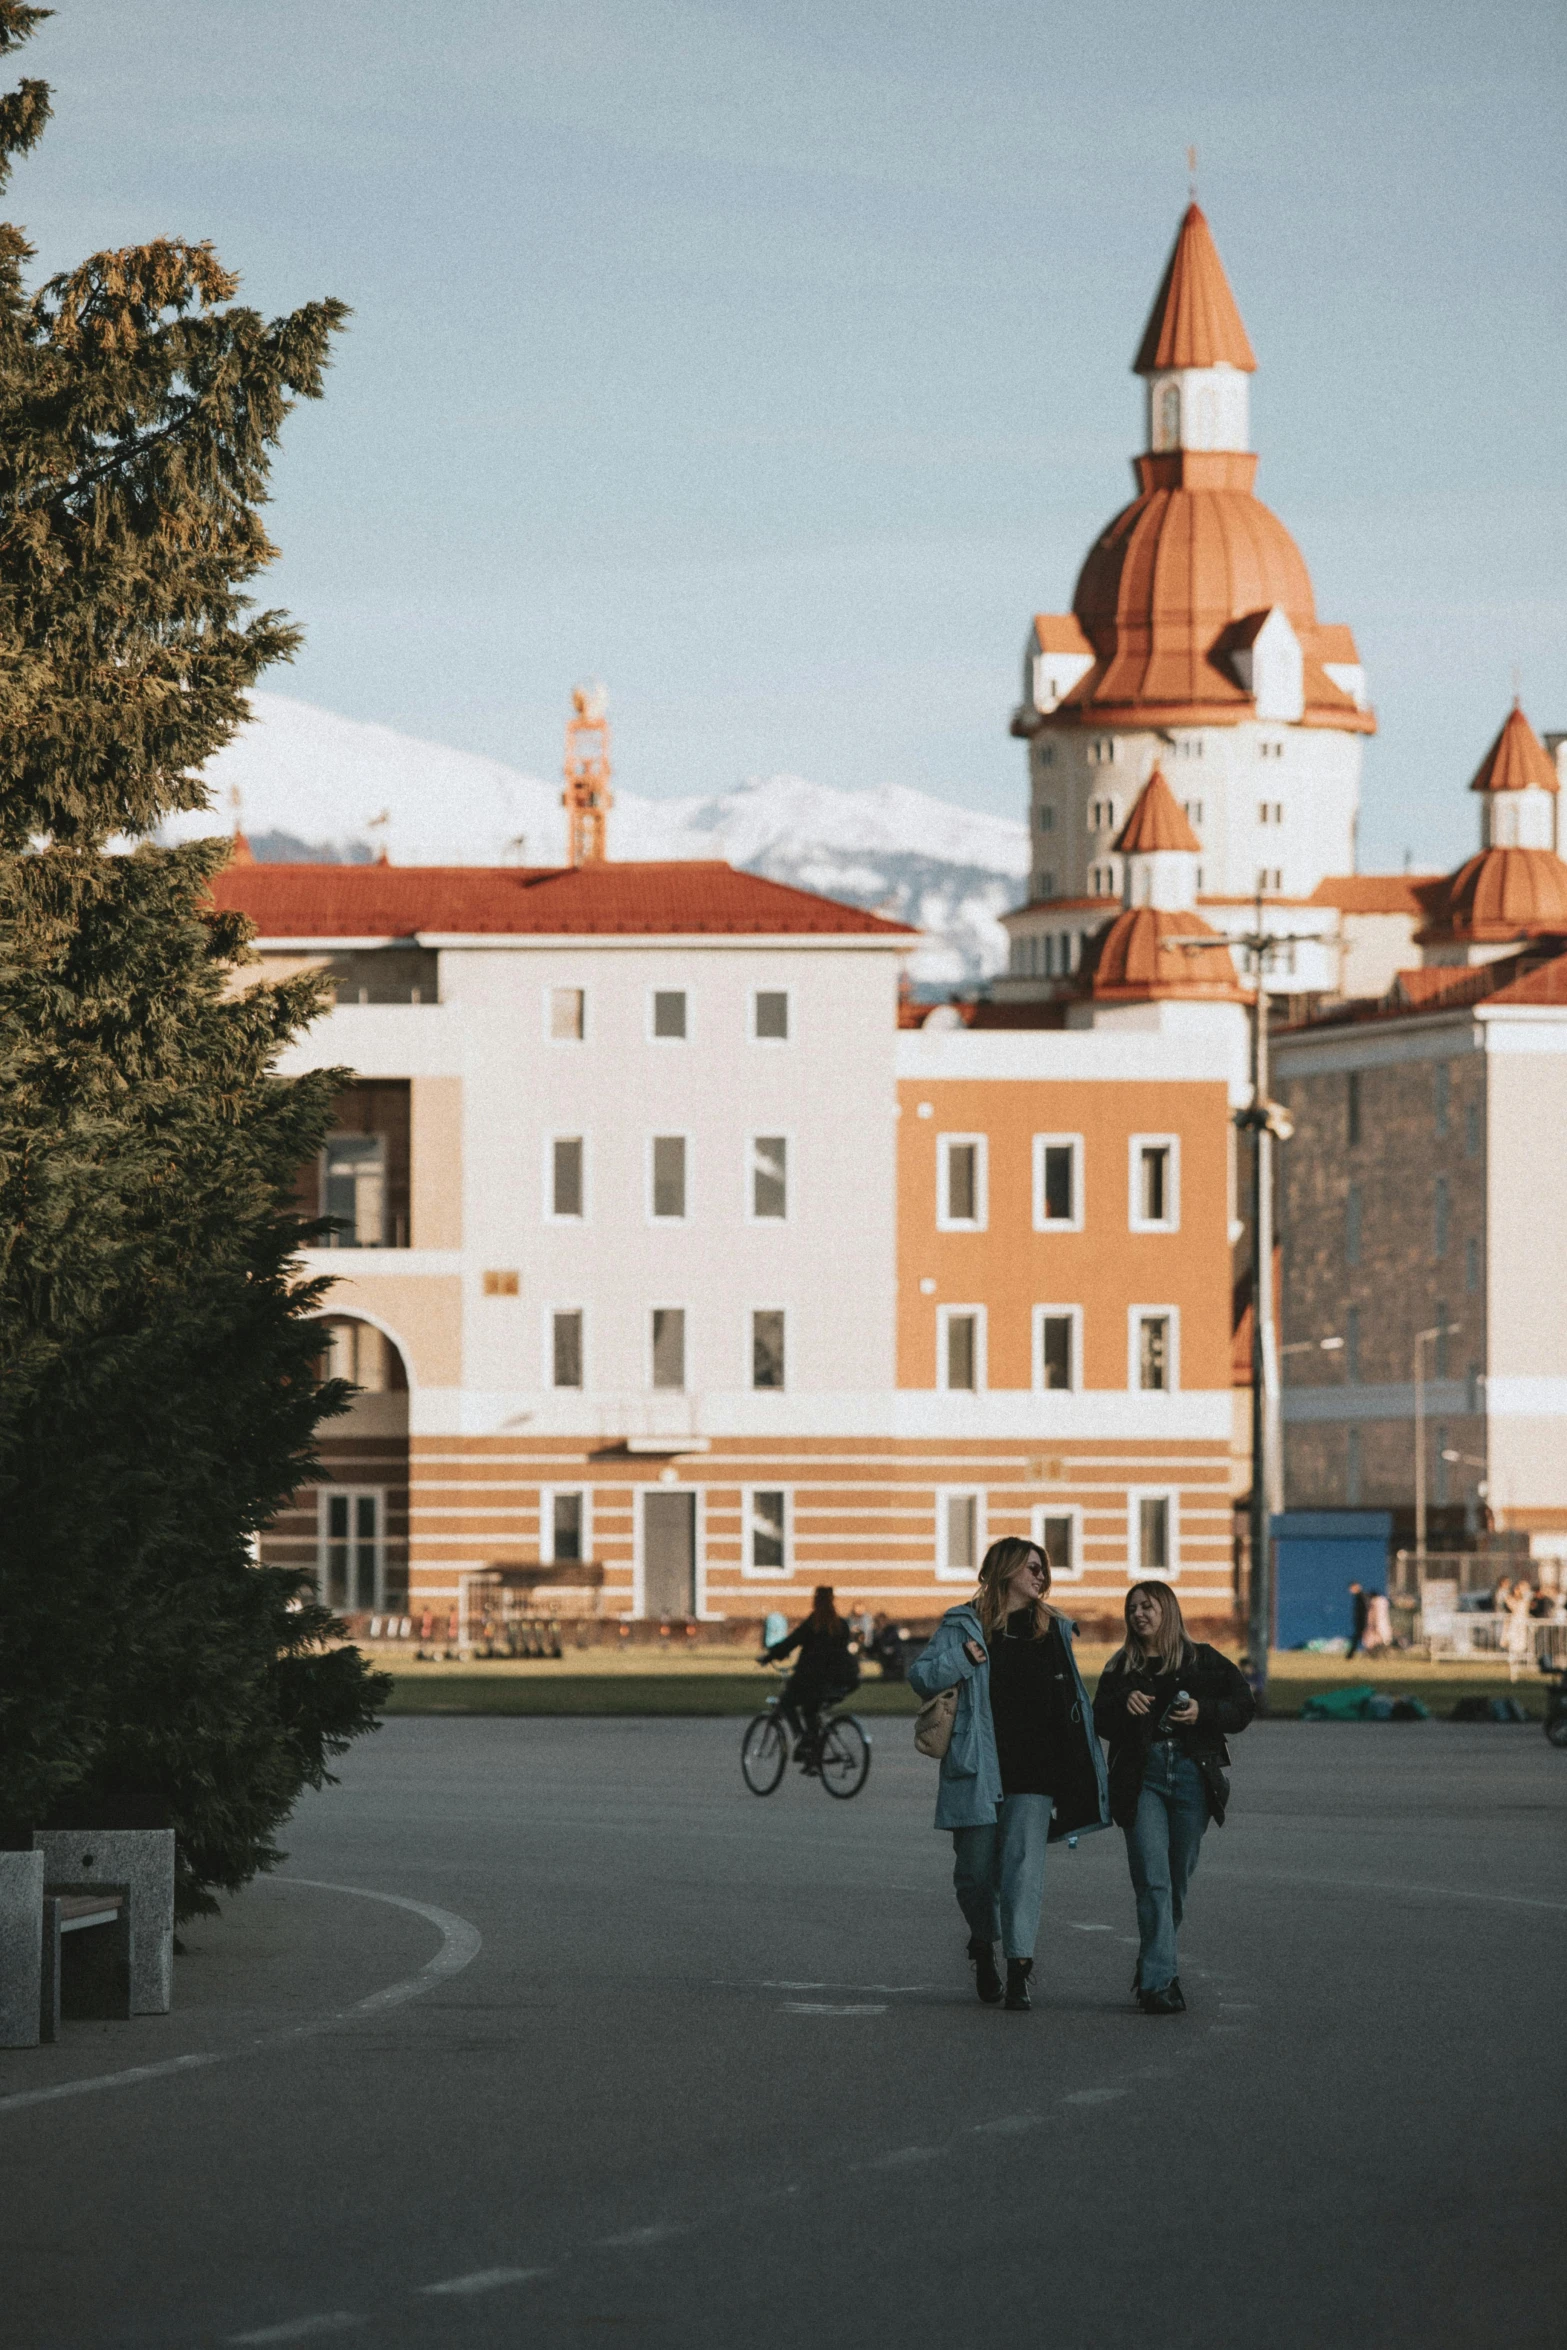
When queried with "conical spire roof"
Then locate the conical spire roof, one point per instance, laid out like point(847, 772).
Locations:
point(1194, 321)
point(1156, 822)
point(1517, 760)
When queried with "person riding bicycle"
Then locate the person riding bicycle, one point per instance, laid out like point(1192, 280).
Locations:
point(826, 1670)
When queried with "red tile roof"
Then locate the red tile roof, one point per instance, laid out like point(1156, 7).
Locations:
point(1538, 975)
point(1517, 760)
point(1142, 957)
point(681, 898)
point(1060, 632)
point(1503, 894)
point(1156, 822)
point(1380, 893)
point(1194, 321)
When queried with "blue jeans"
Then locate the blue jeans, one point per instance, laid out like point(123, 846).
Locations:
point(1162, 1845)
point(999, 1873)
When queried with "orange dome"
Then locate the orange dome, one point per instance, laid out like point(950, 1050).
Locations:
point(1168, 581)
point(1504, 892)
point(1136, 958)
point(1517, 760)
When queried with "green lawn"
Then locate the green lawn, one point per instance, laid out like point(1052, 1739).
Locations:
point(513, 1691)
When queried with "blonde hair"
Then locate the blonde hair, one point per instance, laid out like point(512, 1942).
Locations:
point(1168, 1652)
point(996, 1570)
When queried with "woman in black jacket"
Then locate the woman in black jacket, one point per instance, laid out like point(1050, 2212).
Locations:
point(827, 1668)
point(1163, 1707)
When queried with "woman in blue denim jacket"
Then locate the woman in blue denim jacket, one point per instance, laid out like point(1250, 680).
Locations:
point(1024, 1765)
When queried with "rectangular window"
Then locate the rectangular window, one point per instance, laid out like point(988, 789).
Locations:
point(567, 1015)
point(1439, 1465)
point(1471, 1264)
point(765, 1533)
point(767, 1348)
point(350, 1547)
point(1059, 1535)
point(960, 1178)
point(1153, 1354)
point(1439, 1213)
point(1441, 1095)
point(958, 1534)
point(1057, 1348)
point(1352, 1474)
point(566, 1528)
point(1352, 1346)
point(1047, 818)
point(1058, 1205)
point(1472, 1129)
point(1153, 1534)
point(1155, 1183)
point(770, 1015)
point(566, 1175)
point(566, 1348)
point(1352, 1225)
point(353, 1190)
point(1352, 1108)
point(669, 1176)
point(961, 1352)
point(669, 1014)
point(769, 1177)
point(669, 1346)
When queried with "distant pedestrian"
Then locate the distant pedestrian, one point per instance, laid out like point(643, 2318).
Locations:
point(1519, 1637)
point(1023, 1766)
point(1379, 1624)
point(1359, 1610)
point(1164, 1707)
point(828, 1668)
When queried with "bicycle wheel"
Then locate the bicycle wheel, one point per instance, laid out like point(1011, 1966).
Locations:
point(846, 1756)
point(764, 1753)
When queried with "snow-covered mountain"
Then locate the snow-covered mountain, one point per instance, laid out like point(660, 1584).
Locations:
point(306, 783)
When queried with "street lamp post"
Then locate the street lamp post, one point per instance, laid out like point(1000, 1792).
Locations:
point(1423, 1339)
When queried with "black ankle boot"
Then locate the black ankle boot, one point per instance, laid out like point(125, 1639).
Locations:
point(982, 1957)
point(1166, 2001)
point(1018, 1972)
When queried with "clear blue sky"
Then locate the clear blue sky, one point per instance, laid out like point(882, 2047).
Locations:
point(770, 360)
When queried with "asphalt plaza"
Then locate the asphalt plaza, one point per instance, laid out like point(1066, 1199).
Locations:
point(550, 2033)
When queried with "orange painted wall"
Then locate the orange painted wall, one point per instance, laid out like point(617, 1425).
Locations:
point(1106, 1268)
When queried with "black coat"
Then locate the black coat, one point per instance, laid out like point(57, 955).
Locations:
point(825, 1660)
point(1225, 1705)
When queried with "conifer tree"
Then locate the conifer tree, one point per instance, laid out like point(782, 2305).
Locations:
point(158, 1377)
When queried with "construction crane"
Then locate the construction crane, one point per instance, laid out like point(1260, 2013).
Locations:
point(587, 798)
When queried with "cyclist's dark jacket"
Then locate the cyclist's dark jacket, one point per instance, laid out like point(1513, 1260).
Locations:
point(1224, 1704)
point(824, 1661)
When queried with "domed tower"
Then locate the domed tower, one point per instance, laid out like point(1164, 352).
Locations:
point(1192, 643)
point(1515, 890)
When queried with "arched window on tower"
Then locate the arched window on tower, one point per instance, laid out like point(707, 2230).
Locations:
point(1169, 416)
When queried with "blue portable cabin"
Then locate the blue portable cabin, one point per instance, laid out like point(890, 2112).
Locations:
point(1317, 1555)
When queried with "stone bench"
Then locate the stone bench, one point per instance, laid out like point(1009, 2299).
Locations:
point(103, 1987)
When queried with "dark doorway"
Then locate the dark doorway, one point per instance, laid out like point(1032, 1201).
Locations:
point(669, 1554)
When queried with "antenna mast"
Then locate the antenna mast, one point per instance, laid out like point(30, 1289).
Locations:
point(587, 798)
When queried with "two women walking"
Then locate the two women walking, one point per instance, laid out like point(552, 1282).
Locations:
point(1024, 1767)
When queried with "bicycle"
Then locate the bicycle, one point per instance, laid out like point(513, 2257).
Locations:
point(840, 1750)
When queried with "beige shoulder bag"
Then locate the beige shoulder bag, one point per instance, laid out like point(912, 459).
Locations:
point(933, 1723)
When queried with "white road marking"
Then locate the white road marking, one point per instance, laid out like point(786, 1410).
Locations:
point(1078, 1928)
point(1010, 2125)
point(1091, 2096)
point(298, 2329)
point(828, 2007)
point(636, 2239)
point(460, 1945)
point(485, 2280)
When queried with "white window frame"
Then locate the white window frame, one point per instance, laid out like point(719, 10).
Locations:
point(1135, 1317)
point(979, 1221)
point(550, 1215)
point(1036, 1528)
point(944, 1317)
point(946, 1573)
point(1074, 1314)
point(667, 1305)
point(786, 1137)
point(748, 1383)
point(1073, 1142)
point(1138, 1143)
point(325, 1495)
point(668, 1221)
point(1170, 1496)
point(755, 1574)
point(563, 1306)
point(774, 1042)
point(547, 1495)
point(553, 989)
point(653, 1038)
